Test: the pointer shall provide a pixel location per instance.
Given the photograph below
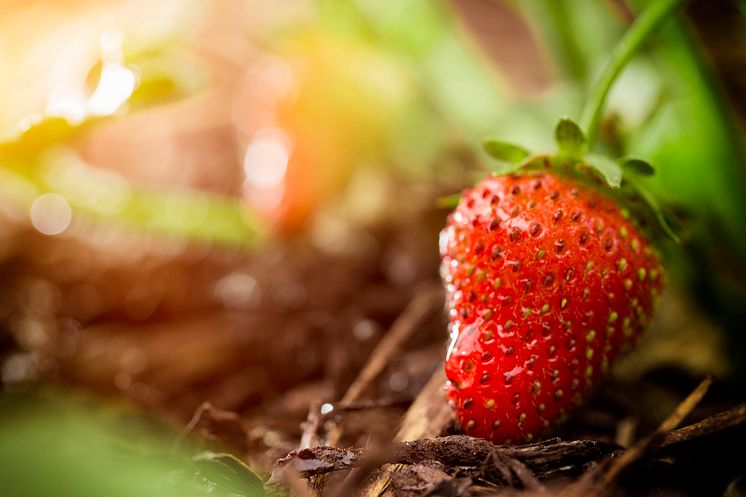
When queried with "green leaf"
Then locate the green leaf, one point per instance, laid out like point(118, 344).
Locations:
point(570, 139)
point(226, 475)
point(53, 445)
point(637, 166)
point(607, 168)
point(505, 151)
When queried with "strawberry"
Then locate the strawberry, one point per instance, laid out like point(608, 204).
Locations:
point(548, 282)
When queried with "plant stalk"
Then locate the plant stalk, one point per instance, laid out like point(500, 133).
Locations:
point(655, 13)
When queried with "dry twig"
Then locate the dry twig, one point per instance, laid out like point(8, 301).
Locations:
point(421, 307)
point(544, 459)
point(598, 482)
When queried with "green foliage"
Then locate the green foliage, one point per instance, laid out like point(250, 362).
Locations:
point(655, 13)
point(698, 153)
point(637, 166)
point(607, 168)
point(108, 198)
point(504, 151)
point(227, 473)
point(571, 141)
point(37, 161)
point(653, 206)
point(459, 88)
point(83, 449)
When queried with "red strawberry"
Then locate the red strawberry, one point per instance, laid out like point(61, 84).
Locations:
point(547, 283)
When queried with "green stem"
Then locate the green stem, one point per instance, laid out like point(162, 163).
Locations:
point(648, 21)
point(566, 38)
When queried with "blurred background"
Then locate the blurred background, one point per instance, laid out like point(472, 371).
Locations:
point(231, 201)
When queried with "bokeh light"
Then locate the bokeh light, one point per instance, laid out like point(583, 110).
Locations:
point(51, 214)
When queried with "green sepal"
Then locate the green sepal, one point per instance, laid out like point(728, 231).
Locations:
point(656, 210)
point(637, 166)
point(504, 151)
point(449, 201)
point(504, 168)
point(571, 141)
point(607, 168)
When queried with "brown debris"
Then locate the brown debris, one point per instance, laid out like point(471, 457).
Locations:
point(419, 479)
point(427, 417)
point(423, 305)
point(314, 461)
point(419, 465)
point(719, 422)
point(543, 459)
point(600, 482)
point(216, 424)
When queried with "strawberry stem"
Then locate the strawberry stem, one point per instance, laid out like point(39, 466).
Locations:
point(648, 21)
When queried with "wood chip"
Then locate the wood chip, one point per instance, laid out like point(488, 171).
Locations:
point(545, 459)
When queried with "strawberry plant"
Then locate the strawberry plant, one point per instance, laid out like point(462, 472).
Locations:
point(550, 272)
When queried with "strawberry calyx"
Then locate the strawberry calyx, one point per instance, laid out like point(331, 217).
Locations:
point(573, 144)
point(617, 178)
